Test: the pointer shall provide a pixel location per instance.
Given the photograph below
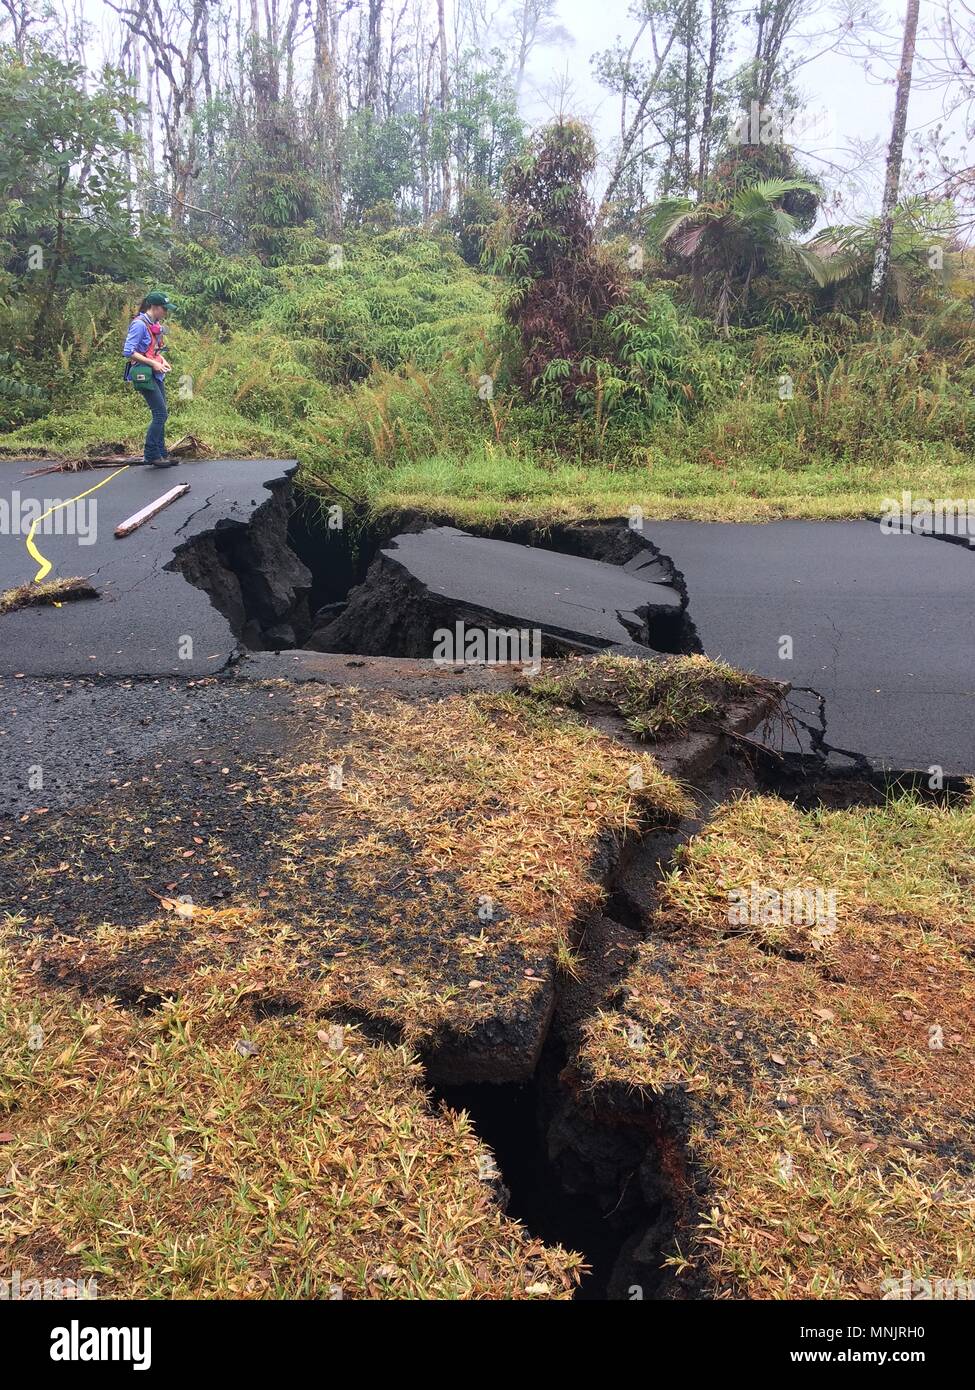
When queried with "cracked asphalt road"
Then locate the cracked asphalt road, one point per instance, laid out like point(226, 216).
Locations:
point(138, 624)
point(882, 627)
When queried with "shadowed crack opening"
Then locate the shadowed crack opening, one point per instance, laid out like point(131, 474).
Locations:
point(810, 783)
point(837, 777)
point(389, 590)
point(571, 1177)
point(514, 1122)
point(591, 1174)
point(308, 575)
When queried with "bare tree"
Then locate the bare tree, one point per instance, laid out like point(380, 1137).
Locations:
point(640, 80)
point(21, 19)
point(534, 23)
point(325, 97)
point(444, 107)
point(373, 63)
point(717, 38)
point(175, 57)
point(895, 158)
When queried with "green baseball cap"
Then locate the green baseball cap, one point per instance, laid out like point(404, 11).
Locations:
point(157, 297)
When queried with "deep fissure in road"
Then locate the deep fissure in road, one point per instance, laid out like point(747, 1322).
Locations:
point(307, 576)
point(595, 1177)
point(368, 599)
point(591, 1182)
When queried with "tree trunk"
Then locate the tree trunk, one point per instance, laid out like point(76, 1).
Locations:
point(326, 82)
point(707, 105)
point(371, 79)
point(42, 322)
point(444, 107)
point(691, 17)
point(895, 155)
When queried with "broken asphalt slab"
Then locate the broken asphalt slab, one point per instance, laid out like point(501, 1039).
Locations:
point(424, 580)
point(146, 609)
point(882, 627)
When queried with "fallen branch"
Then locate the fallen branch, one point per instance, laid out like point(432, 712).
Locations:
point(80, 466)
point(190, 446)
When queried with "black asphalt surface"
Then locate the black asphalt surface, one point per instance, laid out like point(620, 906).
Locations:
point(882, 626)
point(536, 588)
point(138, 624)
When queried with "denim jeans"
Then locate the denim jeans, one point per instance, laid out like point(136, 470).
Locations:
point(156, 435)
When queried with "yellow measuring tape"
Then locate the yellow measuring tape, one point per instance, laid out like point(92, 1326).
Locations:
point(32, 550)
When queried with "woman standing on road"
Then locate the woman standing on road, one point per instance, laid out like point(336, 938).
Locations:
point(146, 369)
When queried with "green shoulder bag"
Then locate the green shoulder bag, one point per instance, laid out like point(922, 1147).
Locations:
point(141, 377)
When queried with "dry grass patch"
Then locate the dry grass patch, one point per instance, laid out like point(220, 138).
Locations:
point(426, 872)
point(311, 1167)
point(475, 825)
point(657, 699)
point(53, 592)
point(817, 1075)
point(196, 1153)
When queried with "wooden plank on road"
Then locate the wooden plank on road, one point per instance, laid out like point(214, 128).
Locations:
point(152, 509)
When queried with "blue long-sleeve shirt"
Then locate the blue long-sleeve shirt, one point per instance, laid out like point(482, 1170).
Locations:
point(138, 339)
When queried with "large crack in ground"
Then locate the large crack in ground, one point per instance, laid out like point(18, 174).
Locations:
point(822, 750)
point(593, 1174)
point(576, 1172)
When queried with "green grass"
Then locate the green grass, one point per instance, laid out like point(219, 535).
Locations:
point(370, 377)
point(447, 487)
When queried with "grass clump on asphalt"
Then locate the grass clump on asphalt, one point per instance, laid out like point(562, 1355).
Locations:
point(54, 591)
point(821, 1067)
point(195, 1152)
point(657, 699)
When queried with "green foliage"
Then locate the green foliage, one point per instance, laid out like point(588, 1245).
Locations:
point(920, 260)
point(64, 183)
point(371, 371)
point(379, 160)
point(269, 178)
point(267, 351)
point(63, 173)
point(730, 240)
point(208, 286)
point(482, 125)
point(379, 301)
point(479, 210)
point(17, 397)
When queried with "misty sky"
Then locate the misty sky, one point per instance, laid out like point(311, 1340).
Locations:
point(853, 104)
